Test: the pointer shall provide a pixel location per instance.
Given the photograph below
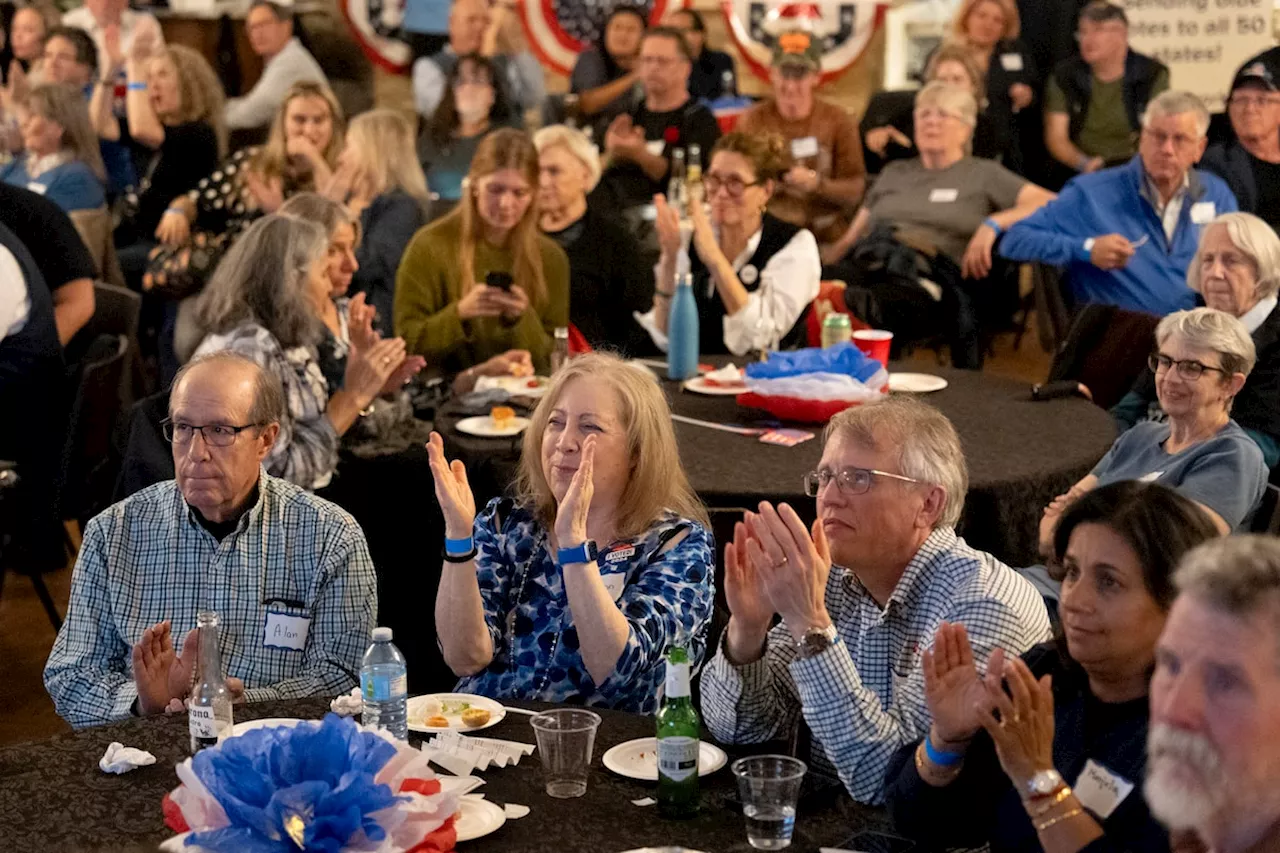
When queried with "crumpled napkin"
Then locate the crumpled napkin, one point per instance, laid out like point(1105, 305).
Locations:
point(121, 759)
point(727, 375)
point(348, 704)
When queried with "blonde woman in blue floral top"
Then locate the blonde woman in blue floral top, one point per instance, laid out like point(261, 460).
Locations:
point(574, 591)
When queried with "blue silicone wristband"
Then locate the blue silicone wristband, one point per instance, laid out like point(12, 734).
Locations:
point(940, 758)
point(993, 225)
point(137, 87)
point(458, 546)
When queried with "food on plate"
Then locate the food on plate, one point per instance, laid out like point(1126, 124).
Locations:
point(475, 717)
point(437, 722)
point(454, 707)
point(502, 416)
point(431, 707)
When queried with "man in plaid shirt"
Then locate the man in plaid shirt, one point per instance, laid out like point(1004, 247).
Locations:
point(289, 573)
point(860, 596)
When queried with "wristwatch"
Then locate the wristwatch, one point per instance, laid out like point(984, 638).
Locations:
point(584, 553)
point(1043, 784)
point(815, 641)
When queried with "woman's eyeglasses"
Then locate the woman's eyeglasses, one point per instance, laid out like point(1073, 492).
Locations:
point(850, 481)
point(732, 184)
point(1187, 368)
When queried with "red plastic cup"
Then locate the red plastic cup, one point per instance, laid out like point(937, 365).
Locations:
point(875, 343)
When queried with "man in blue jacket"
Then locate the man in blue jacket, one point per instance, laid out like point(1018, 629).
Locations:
point(1127, 235)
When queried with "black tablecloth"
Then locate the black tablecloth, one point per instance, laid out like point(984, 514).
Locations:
point(1021, 454)
point(54, 797)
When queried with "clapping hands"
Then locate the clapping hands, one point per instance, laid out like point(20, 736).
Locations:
point(952, 688)
point(453, 491)
point(161, 674)
point(623, 138)
point(571, 514)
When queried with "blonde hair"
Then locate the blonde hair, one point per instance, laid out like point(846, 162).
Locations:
point(948, 97)
point(1256, 240)
point(272, 158)
point(383, 141)
point(950, 51)
point(503, 149)
point(200, 91)
point(1012, 23)
point(576, 143)
point(66, 107)
point(657, 482)
point(767, 152)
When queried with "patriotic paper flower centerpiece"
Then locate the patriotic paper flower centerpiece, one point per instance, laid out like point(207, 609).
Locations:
point(332, 786)
point(812, 385)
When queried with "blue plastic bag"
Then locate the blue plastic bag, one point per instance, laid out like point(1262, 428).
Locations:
point(844, 359)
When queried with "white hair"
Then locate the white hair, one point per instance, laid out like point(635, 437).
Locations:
point(576, 143)
point(1211, 329)
point(1256, 240)
point(1176, 103)
point(951, 98)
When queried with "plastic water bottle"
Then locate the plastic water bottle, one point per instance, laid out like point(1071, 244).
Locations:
point(384, 685)
point(560, 350)
point(682, 331)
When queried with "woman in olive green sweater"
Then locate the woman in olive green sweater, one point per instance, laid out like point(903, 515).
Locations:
point(443, 308)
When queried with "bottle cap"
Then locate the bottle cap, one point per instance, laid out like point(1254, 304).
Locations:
point(381, 635)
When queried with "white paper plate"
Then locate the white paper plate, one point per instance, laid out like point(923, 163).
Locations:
point(700, 385)
point(269, 722)
point(638, 759)
point(477, 817)
point(483, 426)
point(516, 386)
point(417, 719)
point(915, 383)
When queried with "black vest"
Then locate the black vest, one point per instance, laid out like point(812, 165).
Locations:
point(775, 235)
point(34, 350)
point(1076, 79)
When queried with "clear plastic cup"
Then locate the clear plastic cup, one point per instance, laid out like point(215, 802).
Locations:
point(769, 786)
point(566, 738)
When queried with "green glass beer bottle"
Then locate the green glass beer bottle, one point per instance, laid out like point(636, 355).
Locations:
point(678, 742)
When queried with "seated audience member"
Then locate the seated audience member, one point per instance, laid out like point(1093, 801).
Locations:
point(445, 306)
point(1212, 768)
point(146, 565)
point(490, 31)
point(608, 280)
point(1201, 361)
point(27, 32)
point(574, 591)
point(60, 158)
point(947, 206)
point(891, 133)
point(473, 106)
point(1236, 270)
point(753, 274)
point(707, 75)
point(65, 266)
point(860, 599)
point(979, 780)
point(382, 185)
point(639, 143)
point(265, 302)
point(269, 26)
point(1127, 235)
point(1094, 102)
point(1250, 163)
point(822, 189)
point(114, 26)
point(174, 112)
point(605, 75)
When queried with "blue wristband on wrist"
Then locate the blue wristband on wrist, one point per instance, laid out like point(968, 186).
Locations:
point(993, 225)
point(458, 546)
point(137, 86)
point(940, 758)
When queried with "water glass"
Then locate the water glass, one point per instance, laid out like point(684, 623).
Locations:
point(769, 786)
point(566, 738)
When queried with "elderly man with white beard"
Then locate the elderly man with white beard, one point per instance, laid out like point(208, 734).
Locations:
point(1214, 746)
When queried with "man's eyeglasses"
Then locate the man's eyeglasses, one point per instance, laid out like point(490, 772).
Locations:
point(733, 185)
point(1256, 101)
point(214, 435)
point(1179, 140)
point(934, 113)
point(659, 61)
point(850, 481)
point(1187, 368)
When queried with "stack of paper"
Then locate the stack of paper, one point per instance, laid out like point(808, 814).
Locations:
point(452, 750)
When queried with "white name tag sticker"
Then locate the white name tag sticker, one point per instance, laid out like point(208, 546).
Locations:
point(37, 187)
point(943, 196)
point(1099, 790)
point(285, 632)
point(615, 583)
point(806, 146)
point(1011, 61)
point(1203, 212)
point(1151, 478)
point(655, 147)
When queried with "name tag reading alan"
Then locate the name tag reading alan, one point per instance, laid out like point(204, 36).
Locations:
point(1099, 790)
point(1011, 61)
point(283, 631)
point(806, 146)
point(943, 196)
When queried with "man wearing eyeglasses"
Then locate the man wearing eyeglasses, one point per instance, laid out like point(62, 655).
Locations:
point(1127, 235)
point(860, 596)
point(289, 573)
point(1250, 163)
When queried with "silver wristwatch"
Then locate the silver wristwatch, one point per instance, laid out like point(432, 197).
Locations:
point(1044, 783)
point(815, 641)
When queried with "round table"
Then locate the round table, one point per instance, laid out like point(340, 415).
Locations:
point(1021, 454)
point(54, 797)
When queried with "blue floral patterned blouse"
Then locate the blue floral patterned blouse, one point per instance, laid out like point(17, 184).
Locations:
point(666, 596)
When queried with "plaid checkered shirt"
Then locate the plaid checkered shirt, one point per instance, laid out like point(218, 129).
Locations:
point(863, 697)
point(148, 559)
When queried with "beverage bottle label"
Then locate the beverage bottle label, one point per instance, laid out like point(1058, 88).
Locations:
point(677, 680)
point(383, 688)
point(202, 723)
point(678, 757)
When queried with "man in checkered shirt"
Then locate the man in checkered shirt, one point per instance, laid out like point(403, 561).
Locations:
point(289, 573)
point(860, 596)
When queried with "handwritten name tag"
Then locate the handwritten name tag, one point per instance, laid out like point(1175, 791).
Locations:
point(286, 632)
point(655, 147)
point(1203, 212)
point(1011, 61)
point(943, 196)
point(1099, 790)
point(806, 146)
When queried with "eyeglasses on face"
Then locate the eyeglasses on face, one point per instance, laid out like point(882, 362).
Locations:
point(850, 481)
point(1179, 140)
point(1187, 368)
point(214, 435)
point(1255, 101)
point(732, 184)
point(934, 114)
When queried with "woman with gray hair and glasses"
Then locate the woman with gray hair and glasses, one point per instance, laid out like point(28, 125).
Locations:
point(1201, 360)
point(1236, 269)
